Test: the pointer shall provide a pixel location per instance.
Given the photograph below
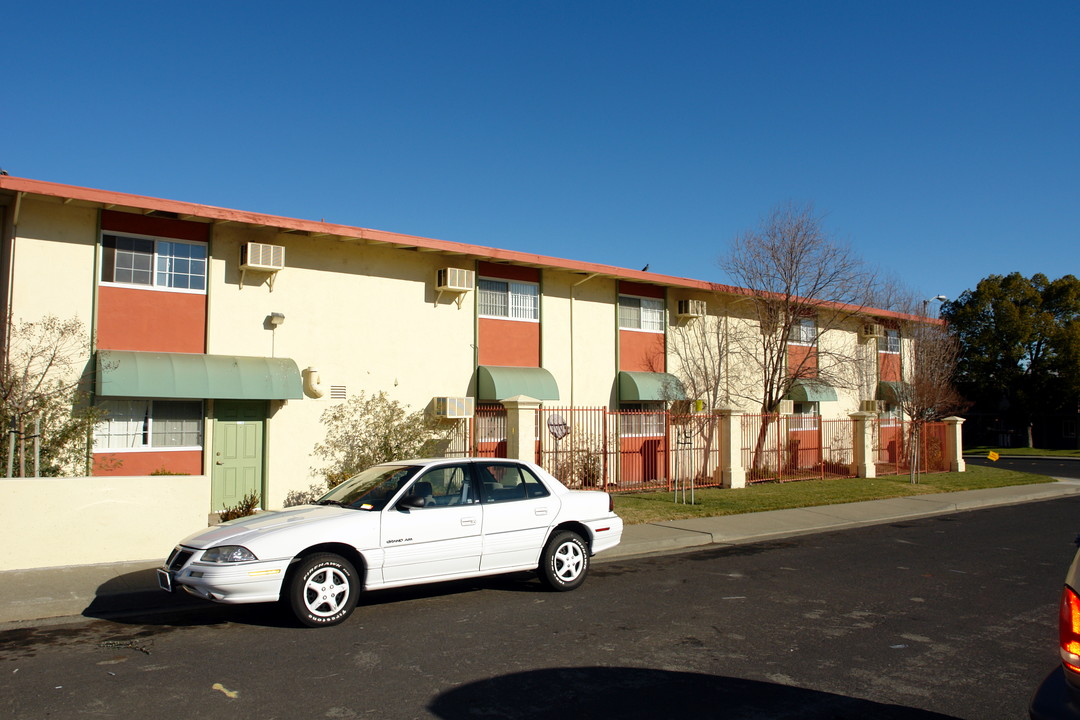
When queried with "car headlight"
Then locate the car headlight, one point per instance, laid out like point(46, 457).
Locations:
point(228, 554)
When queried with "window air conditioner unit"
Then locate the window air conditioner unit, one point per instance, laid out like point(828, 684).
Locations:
point(872, 330)
point(691, 309)
point(787, 407)
point(260, 256)
point(454, 408)
point(455, 280)
point(873, 406)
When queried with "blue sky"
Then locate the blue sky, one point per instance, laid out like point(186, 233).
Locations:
point(940, 138)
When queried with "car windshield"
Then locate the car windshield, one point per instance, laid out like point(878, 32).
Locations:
point(372, 489)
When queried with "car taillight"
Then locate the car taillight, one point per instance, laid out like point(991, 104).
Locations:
point(610, 503)
point(1069, 629)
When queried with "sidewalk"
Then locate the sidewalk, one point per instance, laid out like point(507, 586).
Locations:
point(131, 588)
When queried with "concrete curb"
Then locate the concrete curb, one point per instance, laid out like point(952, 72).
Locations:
point(130, 589)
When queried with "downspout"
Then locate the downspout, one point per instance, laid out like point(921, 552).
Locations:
point(95, 283)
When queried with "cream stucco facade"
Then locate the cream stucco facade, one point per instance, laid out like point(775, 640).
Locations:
point(358, 306)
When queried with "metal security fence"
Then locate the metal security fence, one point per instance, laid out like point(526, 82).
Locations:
point(896, 446)
point(627, 451)
point(483, 435)
point(636, 451)
point(782, 448)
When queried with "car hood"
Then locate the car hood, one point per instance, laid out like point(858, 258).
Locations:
point(244, 531)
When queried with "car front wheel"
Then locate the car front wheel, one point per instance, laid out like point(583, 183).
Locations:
point(565, 561)
point(323, 590)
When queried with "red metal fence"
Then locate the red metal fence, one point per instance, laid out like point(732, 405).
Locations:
point(796, 447)
point(643, 451)
point(895, 444)
point(627, 451)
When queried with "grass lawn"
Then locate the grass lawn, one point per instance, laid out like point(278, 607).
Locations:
point(709, 502)
point(985, 449)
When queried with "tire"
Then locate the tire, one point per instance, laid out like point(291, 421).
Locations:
point(564, 562)
point(323, 590)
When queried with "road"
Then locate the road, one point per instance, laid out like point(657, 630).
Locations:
point(1068, 468)
point(947, 617)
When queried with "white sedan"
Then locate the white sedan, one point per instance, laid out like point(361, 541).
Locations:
point(396, 524)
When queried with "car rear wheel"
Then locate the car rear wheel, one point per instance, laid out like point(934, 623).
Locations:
point(565, 561)
point(323, 590)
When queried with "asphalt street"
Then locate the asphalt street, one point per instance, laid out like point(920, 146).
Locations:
point(1054, 467)
point(945, 617)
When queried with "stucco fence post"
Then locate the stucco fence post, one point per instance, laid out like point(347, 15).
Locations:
point(863, 461)
point(954, 444)
point(521, 427)
point(732, 472)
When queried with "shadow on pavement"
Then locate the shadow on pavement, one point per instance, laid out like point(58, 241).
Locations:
point(135, 599)
point(628, 693)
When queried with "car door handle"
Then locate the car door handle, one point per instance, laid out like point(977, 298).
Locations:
point(540, 511)
point(468, 521)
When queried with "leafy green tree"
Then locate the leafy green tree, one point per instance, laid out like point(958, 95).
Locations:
point(1019, 345)
point(366, 430)
point(43, 408)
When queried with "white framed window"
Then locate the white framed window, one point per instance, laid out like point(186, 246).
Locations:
point(803, 332)
point(644, 419)
point(890, 343)
point(508, 299)
point(890, 416)
point(641, 313)
point(153, 262)
point(804, 416)
point(140, 424)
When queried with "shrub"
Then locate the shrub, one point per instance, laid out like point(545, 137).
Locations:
point(248, 505)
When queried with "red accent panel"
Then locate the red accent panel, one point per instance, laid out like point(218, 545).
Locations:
point(160, 227)
point(508, 272)
point(641, 351)
point(889, 364)
point(804, 357)
point(133, 319)
point(509, 342)
point(633, 288)
point(188, 462)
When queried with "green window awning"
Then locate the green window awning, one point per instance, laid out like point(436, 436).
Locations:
point(811, 391)
point(496, 382)
point(649, 387)
point(125, 373)
point(889, 391)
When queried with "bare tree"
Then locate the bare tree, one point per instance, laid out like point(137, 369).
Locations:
point(798, 284)
point(40, 396)
point(698, 347)
point(928, 394)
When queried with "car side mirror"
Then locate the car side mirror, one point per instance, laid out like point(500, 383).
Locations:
point(410, 501)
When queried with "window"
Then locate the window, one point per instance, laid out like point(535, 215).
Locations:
point(170, 264)
point(506, 483)
point(803, 331)
point(509, 299)
point(149, 424)
point(890, 416)
point(639, 313)
point(644, 419)
point(804, 416)
point(891, 342)
point(445, 486)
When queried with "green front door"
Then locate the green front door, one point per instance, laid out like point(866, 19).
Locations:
point(238, 451)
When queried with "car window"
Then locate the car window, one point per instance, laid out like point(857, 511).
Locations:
point(371, 489)
point(508, 483)
point(445, 486)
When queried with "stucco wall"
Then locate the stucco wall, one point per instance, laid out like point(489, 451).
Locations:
point(53, 263)
point(53, 522)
